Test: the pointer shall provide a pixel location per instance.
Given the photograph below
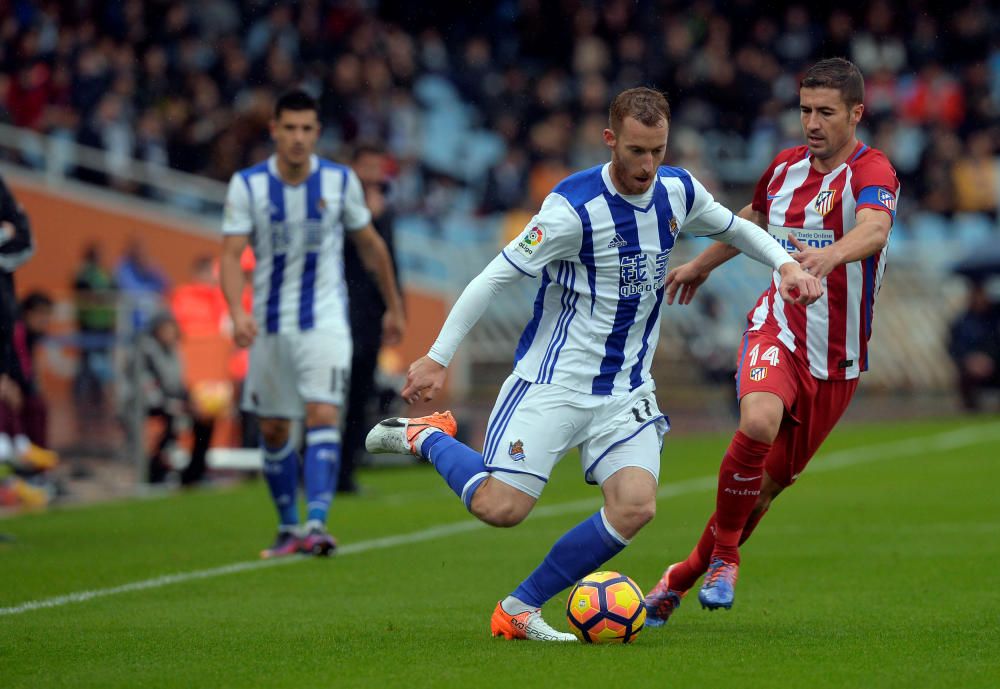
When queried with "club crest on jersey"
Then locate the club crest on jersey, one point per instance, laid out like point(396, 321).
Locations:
point(824, 202)
point(516, 451)
point(674, 226)
point(758, 374)
point(886, 198)
point(532, 239)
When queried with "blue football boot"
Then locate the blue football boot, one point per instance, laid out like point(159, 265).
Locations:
point(719, 586)
point(661, 602)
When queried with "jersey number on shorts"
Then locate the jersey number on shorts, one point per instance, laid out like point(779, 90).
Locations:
point(769, 356)
point(339, 378)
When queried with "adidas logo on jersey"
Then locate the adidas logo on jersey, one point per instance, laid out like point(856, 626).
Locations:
point(618, 241)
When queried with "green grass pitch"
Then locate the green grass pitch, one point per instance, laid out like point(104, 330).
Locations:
point(879, 569)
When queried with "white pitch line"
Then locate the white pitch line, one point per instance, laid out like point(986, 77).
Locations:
point(834, 460)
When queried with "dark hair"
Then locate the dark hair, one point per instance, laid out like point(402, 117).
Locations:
point(36, 300)
point(649, 106)
point(296, 100)
point(368, 148)
point(837, 73)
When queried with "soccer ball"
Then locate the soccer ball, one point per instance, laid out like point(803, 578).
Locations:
point(606, 607)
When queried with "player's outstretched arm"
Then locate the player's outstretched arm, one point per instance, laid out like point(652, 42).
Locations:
point(231, 281)
point(869, 236)
point(426, 375)
point(375, 257)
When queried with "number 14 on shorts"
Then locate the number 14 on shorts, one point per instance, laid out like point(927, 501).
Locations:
point(770, 355)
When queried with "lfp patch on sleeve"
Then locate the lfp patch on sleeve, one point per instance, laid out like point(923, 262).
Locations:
point(531, 240)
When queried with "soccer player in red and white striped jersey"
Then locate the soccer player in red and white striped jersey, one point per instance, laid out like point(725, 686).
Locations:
point(832, 203)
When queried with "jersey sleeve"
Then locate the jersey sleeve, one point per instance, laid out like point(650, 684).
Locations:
point(236, 215)
point(759, 202)
point(876, 186)
point(707, 216)
point(356, 213)
point(553, 234)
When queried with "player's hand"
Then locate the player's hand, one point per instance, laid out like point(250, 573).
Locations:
point(424, 380)
point(817, 262)
point(687, 278)
point(797, 286)
point(244, 329)
point(393, 328)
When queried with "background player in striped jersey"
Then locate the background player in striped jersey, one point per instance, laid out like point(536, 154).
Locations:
point(581, 378)
point(832, 201)
point(294, 209)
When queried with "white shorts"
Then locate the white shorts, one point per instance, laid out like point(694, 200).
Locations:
point(533, 425)
point(288, 370)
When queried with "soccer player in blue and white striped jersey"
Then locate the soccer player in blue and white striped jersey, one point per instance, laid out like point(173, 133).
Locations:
point(581, 379)
point(294, 210)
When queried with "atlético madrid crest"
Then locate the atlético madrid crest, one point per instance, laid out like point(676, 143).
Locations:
point(824, 202)
point(758, 374)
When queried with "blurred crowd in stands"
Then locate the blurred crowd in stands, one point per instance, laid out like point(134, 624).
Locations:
point(484, 106)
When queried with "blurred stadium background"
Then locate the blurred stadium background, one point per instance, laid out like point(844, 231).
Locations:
point(120, 122)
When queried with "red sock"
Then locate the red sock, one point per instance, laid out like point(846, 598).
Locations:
point(751, 524)
point(739, 487)
point(684, 574)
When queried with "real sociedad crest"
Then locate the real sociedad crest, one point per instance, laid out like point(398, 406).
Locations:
point(824, 202)
point(516, 451)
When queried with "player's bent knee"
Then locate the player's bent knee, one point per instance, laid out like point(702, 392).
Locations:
point(760, 426)
point(321, 415)
point(500, 505)
point(629, 518)
point(274, 432)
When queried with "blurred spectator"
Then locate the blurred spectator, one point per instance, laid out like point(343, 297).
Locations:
point(141, 284)
point(198, 305)
point(96, 303)
point(201, 313)
point(16, 247)
point(708, 340)
point(158, 369)
point(30, 329)
point(976, 175)
point(975, 347)
point(186, 84)
point(366, 311)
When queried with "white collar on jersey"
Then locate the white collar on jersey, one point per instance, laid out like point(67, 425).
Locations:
point(640, 201)
point(272, 164)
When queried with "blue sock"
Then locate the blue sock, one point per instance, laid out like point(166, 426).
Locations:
point(321, 470)
point(580, 551)
point(460, 465)
point(281, 469)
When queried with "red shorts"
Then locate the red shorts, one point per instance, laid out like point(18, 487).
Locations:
point(812, 406)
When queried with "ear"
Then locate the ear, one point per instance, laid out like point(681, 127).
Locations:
point(609, 138)
point(856, 112)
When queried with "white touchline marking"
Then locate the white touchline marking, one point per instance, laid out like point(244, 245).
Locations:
point(834, 460)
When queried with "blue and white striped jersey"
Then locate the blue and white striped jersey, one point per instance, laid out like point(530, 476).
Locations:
point(602, 261)
point(297, 235)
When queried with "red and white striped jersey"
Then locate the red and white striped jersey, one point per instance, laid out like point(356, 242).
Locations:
point(819, 208)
